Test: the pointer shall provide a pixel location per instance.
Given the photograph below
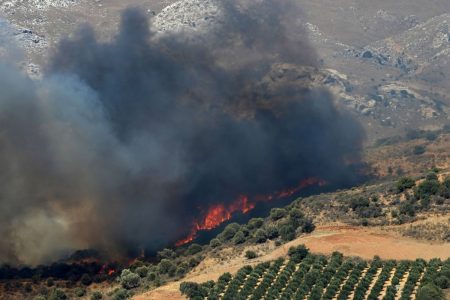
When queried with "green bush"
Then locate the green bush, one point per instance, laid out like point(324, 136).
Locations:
point(229, 232)
point(420, 149)
point(260, 235)
point(404, 184)
point(430, 292)
point(214, 243)
point(250, 254)
point(239, 238)
point(86, 279)
point(427, 188)
point(255, 223)
point(194, 249)
point(129, 280)
point(297, 254)
point(80, 292)
point(166, 266)
point(121, 294)
point(142, 271)
point(277, 213)
point(166, 253)
point(287, 232)
point(96, 295)
point(57, 294)
point(193, 290)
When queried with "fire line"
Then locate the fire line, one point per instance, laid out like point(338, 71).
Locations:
point(220, 213)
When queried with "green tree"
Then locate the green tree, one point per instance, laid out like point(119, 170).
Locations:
point(430, 292)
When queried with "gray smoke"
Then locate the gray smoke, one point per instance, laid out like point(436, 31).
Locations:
point(122, 141)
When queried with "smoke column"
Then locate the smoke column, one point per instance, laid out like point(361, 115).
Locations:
point(121, 142)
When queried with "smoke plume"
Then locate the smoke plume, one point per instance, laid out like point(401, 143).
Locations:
point(121, 142)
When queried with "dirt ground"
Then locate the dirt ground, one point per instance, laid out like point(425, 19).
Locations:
point(351, 241)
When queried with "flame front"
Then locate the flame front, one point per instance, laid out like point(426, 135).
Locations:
point(220, 213)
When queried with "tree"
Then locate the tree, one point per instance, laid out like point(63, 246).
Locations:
point(194, 249)
point(430, 292)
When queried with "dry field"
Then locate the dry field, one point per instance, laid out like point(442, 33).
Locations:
point(351, 241)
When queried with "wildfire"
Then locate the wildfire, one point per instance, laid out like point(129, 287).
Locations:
point(219, 213)
point(105, 269)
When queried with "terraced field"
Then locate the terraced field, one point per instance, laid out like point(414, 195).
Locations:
point(327, 278)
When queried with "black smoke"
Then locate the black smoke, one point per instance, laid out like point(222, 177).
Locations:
point(122, 141)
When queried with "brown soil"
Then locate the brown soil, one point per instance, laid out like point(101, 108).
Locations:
point(351, 241)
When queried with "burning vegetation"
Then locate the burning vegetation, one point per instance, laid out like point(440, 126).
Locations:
point(219, 213)
point(123, 143)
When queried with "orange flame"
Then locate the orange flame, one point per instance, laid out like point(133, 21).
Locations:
point(219, 213)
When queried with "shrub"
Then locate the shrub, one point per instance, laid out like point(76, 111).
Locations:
point(407, 208)
point(86, 279)
point(260, 236)
point(166, 266)
point(166, 253)
point(129, 280)
point(239, 238)
point(250, 254)
point(359, 202)
point(420, 149)
point(194, 261)
point(96, 296)
point(277, 213)
point(427, 188)
point(287, 232)
point(308, 226)
point(142, 271)
point(50, 282)
point(405, 183)
point(272, 232)
point(255, 223)
point(182, 269)
point(214, 243)
point(298, 253)
point(193, 290)
point(194, 249)
point(229, 232)
point(57, 294)
point(80, 292)
point(121, 294)
point(443, 282)
point(430, 291)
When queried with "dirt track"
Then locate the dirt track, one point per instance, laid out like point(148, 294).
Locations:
point(351, 241)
